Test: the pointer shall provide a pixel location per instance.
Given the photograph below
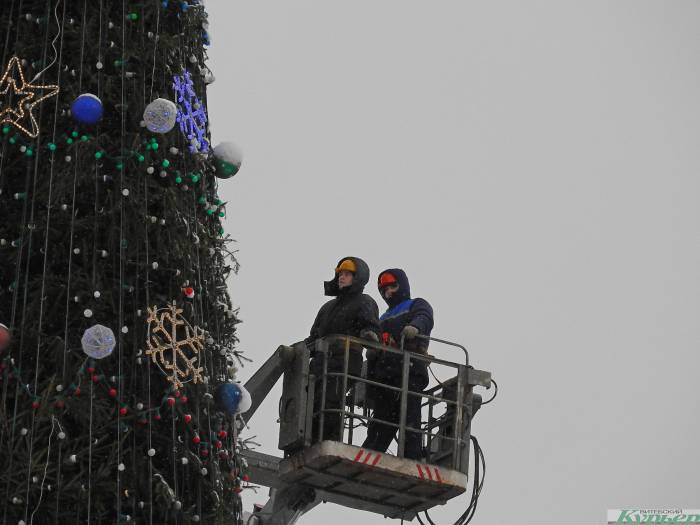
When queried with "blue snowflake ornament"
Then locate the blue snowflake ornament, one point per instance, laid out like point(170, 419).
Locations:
point(190, 113)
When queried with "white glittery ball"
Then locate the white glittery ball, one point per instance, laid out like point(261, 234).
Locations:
point(151, 452)
point(160, 115)
point(98, 341)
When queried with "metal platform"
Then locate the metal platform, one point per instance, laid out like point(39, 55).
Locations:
point(372, 481)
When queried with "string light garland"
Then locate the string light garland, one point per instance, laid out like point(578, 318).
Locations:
point(22, 109)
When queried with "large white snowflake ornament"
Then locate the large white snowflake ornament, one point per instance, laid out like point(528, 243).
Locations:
point(174, 345)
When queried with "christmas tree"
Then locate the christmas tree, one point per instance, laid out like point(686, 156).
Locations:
point(117, 339)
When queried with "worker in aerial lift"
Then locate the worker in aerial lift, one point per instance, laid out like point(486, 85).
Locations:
point(353, 313)
point(405, 318)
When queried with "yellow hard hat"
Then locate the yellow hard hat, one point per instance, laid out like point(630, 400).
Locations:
point(346, 264)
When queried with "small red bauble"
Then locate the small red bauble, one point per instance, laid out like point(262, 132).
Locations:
point(196, 440)
point(112, 392)
point(171, 401)
point(188, 418)
point(123, 411)
point(189, 292)
point(205, 452)
point(223, 434)
point(35, 404)
point(77, 392)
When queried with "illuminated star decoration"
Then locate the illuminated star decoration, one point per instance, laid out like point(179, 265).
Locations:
point(24, 96)
point(190, 113)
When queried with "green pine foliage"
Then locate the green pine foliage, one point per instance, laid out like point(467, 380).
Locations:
point(99, 223)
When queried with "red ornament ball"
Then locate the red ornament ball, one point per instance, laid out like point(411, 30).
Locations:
point(123, 411)
point(189, 292)
point(188, 418)
point(5, 336)
point(112, 392)
point(196, 440)
point(171, 401)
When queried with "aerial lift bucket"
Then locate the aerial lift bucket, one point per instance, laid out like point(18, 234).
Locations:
point(345, 474)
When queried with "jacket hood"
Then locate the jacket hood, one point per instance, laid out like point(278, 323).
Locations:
point(359, 281)
point(404, 291)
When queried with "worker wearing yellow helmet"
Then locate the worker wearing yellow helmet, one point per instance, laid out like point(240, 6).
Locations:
point(350, 312)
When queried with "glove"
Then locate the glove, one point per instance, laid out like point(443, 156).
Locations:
point(409, 331)
point(369, 335)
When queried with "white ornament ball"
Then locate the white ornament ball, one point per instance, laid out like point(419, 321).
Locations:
point(246, 401)
point(228, 158)
point(98, 341)
point(160, 115)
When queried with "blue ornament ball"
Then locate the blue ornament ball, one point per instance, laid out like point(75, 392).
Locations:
point(227, 397)
point(87, 109)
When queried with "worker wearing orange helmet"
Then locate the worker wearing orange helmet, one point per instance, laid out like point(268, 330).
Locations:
point(405, 319)
point(350, 312)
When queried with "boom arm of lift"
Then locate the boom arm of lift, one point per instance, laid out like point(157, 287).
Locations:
point(286, 503)
point(262, 382)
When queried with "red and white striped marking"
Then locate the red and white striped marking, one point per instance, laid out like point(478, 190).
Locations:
point(424, 471)
point(370, 458)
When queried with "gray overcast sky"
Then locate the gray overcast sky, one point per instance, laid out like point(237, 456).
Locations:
point(534, 167)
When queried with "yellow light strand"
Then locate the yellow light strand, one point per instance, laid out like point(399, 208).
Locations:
point(15, 115)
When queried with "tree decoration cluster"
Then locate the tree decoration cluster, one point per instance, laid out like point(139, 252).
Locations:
point(107, 402)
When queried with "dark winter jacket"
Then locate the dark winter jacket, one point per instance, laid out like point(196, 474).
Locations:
point(349, 313)
point(403, 311)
